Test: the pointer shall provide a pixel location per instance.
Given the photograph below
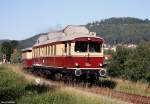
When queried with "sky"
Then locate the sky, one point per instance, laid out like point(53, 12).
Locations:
point(21, 19)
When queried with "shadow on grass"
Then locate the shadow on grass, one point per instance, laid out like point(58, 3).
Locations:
point(39, 88)
point(106, 83)
point(12, 94)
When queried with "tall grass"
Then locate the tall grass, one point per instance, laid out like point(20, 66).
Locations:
point(132, 87)
point(14, 87)
point(11, 84)
point(68, 96)
point(139, 88)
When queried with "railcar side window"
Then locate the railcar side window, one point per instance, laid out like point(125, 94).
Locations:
point(69, 48)
point(54, 49)
point(38, 51)
point(65, 47)
point(51, 50)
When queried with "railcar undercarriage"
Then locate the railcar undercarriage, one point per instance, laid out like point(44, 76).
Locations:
point(73, 75)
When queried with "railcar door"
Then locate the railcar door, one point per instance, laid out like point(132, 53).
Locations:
point(68, 60)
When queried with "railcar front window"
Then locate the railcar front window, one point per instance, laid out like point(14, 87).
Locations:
point(81, 46)
point(94, 47)
point(88, 47)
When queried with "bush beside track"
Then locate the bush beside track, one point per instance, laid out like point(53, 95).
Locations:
point(131, 64)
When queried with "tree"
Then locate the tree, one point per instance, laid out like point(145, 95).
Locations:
point(131, 64)
point(14, 44)
point(6, 49)
point(0, 53)
point(15, 57)
point(117, 68)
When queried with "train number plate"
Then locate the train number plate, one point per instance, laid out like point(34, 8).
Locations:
point(87, 64)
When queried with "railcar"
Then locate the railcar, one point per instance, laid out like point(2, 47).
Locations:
point(74, 51)
point(27, 57)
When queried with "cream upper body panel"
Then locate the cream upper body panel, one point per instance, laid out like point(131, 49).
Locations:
point(59, 50)
point(61, 43)
point(27, 55)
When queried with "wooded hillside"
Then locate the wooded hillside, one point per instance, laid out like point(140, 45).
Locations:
point(122, 30)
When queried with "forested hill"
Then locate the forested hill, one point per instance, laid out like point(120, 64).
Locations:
point(122, 30)
point(30, 41)
point(4, 40)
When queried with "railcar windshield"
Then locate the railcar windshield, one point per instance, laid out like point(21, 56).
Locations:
point(88, 46)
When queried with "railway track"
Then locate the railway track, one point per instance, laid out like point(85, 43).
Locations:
point(133, 98)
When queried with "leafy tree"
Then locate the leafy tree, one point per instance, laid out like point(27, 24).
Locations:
point(116, 67)
point(148, 78)
point(6, 49)
point(108, 52)
point(15, 57)
point(131, 64)
point(14, 44)
point(0, 53)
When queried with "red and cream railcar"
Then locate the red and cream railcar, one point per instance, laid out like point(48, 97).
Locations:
point(27, 57)
point(74, 51)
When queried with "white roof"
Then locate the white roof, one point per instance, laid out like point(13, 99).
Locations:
point(73, 30)
point(27, 49)
point(69, 33)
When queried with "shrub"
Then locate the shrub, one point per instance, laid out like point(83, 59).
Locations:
point(131, 64)
point(148, 78)
point(11, 85)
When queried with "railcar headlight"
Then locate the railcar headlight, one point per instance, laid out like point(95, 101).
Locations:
point(76, 64)
point(100, 64)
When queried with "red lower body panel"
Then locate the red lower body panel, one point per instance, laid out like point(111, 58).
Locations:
point(27, 63)
point(68, 62)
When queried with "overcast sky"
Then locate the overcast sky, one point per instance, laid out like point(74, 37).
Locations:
point(20, 19)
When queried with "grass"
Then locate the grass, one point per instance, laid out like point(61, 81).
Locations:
point(68, 96)
point(126, 86)
point(132, 87)
point(90, 98)
point(11, 84)
point(14, 87)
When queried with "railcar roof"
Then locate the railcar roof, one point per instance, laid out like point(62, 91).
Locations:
point(65, 38)
point(68, 34)
point(27, 49)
